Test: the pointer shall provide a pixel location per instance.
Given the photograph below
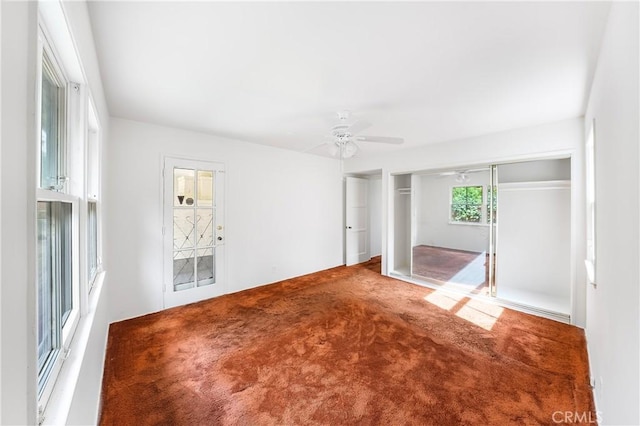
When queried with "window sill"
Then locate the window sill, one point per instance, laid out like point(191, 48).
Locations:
point(61, 398)
point(468, 224)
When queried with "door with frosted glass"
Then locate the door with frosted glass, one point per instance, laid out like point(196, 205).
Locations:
point(193, 231)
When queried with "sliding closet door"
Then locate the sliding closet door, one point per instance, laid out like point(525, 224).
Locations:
point(533, 236)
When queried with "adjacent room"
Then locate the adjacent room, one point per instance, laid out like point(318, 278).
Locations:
point(292, 213)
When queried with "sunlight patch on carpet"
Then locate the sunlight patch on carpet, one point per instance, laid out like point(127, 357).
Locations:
point(481, 314)
point(444, 300)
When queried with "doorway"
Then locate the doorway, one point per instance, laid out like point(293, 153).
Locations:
point(363, 217)
point(193, 208)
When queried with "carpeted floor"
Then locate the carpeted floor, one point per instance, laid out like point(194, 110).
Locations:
point(343, 346)
point(441, 263)
point(445, 265)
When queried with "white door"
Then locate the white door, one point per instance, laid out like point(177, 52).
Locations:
point(193, 231)
point(357, 220)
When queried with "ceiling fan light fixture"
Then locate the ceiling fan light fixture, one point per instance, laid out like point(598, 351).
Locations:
point(342, 149)
point(349, 149)
point(462, 177)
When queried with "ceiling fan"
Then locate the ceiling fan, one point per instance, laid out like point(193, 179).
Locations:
point(343, 136)
point(461, 175)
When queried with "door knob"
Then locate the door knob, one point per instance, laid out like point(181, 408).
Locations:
point(348, 227)
point(219, 238)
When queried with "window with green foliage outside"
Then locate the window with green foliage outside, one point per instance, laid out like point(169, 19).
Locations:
point(466, 204)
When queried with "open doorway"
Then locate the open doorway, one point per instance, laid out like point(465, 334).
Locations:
point(363, 219)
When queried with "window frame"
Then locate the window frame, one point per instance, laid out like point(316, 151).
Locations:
point(48, 57)
point(483, 212)
point(93, 169)
point(591, 204)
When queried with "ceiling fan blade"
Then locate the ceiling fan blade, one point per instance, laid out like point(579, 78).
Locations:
point(381, 139)
point(358, 126)
point(484, 169)
point(315, 147)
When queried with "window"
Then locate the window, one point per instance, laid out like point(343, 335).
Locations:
point(52, 156)
point(54, 279)
point(92, 240)
point(57, 284)
point(67, 206)
point(466, 204)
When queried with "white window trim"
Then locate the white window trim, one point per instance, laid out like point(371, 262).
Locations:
point(61, 195)
point(93, 187)
point(44, 46)
point(483, 212)
point(590, 198)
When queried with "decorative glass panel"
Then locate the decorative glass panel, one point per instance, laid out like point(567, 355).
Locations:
point(183, 228)
point(204, 226)
point(205, 267)
point(183, 187)
point(183, 267)
point(193, 228)
point(205, 188)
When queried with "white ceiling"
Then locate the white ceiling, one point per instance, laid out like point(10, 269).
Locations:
point(276, 73)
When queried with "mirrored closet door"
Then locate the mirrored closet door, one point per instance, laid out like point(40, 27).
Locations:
point(495, 230)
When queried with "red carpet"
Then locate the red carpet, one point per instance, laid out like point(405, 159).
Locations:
point(342, 346)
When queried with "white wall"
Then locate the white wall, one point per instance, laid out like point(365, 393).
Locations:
point(401, 224)
point(434, 213)
point(535, 171)
point(18, 336)
point(283, 211)
point(92, 335)
point(18, 213)
point(561, 138)
point(613, 312)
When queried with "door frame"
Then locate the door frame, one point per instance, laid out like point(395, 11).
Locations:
point(347, 226)
point(170, 297)
point(577, 187)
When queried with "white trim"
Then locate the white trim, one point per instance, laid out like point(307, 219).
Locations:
point(534, 186)
point(61, 398)
point(55, 41)
point(487, 299)
point(432, 168)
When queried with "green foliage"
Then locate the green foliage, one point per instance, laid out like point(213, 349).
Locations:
point(466, 204)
